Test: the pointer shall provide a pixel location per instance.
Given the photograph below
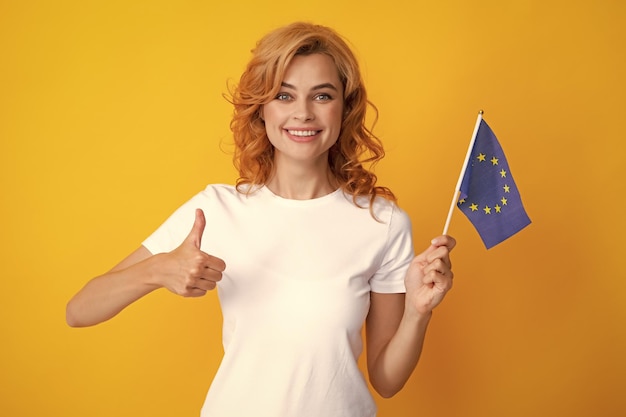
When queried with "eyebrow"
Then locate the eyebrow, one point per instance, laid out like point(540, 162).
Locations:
point(317, 87)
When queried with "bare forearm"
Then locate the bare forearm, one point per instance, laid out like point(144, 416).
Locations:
point(186, 271)
point(397, 360)
point(106, 295)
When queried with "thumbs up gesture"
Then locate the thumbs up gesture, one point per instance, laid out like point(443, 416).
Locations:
point(188, 271)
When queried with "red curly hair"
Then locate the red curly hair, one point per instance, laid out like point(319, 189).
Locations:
point(261, 81)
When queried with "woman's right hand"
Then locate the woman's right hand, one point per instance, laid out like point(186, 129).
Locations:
point(187, 270)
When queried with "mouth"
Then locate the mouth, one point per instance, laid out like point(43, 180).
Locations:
point(303, 133)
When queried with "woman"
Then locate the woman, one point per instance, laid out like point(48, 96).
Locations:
point(304, 249)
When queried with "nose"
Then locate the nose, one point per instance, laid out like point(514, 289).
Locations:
point(303, 111)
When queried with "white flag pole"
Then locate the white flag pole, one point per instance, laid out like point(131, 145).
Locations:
point(455, 196)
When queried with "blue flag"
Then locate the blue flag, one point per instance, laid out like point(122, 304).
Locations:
point(489, 197)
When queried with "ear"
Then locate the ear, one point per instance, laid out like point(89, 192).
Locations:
point(261, 114)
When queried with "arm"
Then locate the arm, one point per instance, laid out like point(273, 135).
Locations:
point(185, 271)
point(396, 324)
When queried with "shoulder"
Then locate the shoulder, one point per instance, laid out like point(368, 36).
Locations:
point(385, 211)
point(229, 192)
point(219, 189)
point(230, 197)
point(232, 190)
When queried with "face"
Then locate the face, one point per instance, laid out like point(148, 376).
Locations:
point(304, 119)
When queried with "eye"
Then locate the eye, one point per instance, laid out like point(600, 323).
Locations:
point(323, 97)
point(282, 97)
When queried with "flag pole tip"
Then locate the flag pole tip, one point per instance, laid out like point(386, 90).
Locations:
point(481, 112)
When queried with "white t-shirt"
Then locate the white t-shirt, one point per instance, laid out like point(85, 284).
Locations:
point(294, 296)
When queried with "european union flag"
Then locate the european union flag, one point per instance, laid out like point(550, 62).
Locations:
point(489, 197)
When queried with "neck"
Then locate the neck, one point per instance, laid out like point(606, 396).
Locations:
point(301, 183)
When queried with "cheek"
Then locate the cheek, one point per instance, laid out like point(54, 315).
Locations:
point(269, 113)
point(337, 116)
point(272, 117)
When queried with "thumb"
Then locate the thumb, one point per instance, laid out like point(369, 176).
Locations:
point(436, 243)
point(423, 256)
point(195, 236)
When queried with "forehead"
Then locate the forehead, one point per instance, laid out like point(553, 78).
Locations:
point(312, 69)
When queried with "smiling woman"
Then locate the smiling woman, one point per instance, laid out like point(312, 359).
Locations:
point(306, 248)
point(264, 79)
point(302, 123)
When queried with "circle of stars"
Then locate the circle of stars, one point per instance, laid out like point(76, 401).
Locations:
point(499, 205)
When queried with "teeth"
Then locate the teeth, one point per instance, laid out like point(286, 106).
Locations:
point(302, 132)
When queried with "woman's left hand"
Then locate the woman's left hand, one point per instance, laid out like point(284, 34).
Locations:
point(430, 276)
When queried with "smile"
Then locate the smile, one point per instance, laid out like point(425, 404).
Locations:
point(303, 133)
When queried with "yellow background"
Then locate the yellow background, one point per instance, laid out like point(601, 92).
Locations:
point(111, 116)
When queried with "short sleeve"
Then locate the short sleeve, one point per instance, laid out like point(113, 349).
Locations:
point(175, 229)
point(397, 256)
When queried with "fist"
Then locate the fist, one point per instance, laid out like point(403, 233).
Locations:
point(430, 276)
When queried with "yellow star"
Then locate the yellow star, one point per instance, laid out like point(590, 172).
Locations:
point(498, 208)
point(461, 201)
point(504, 200)
point(506, 188)
point(494, 160)
point(487, 210)
point(481, 157)
point(503, 173)
point(474, 207)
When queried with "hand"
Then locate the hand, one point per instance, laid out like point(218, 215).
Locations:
point(430, 276)
point(189, 271)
